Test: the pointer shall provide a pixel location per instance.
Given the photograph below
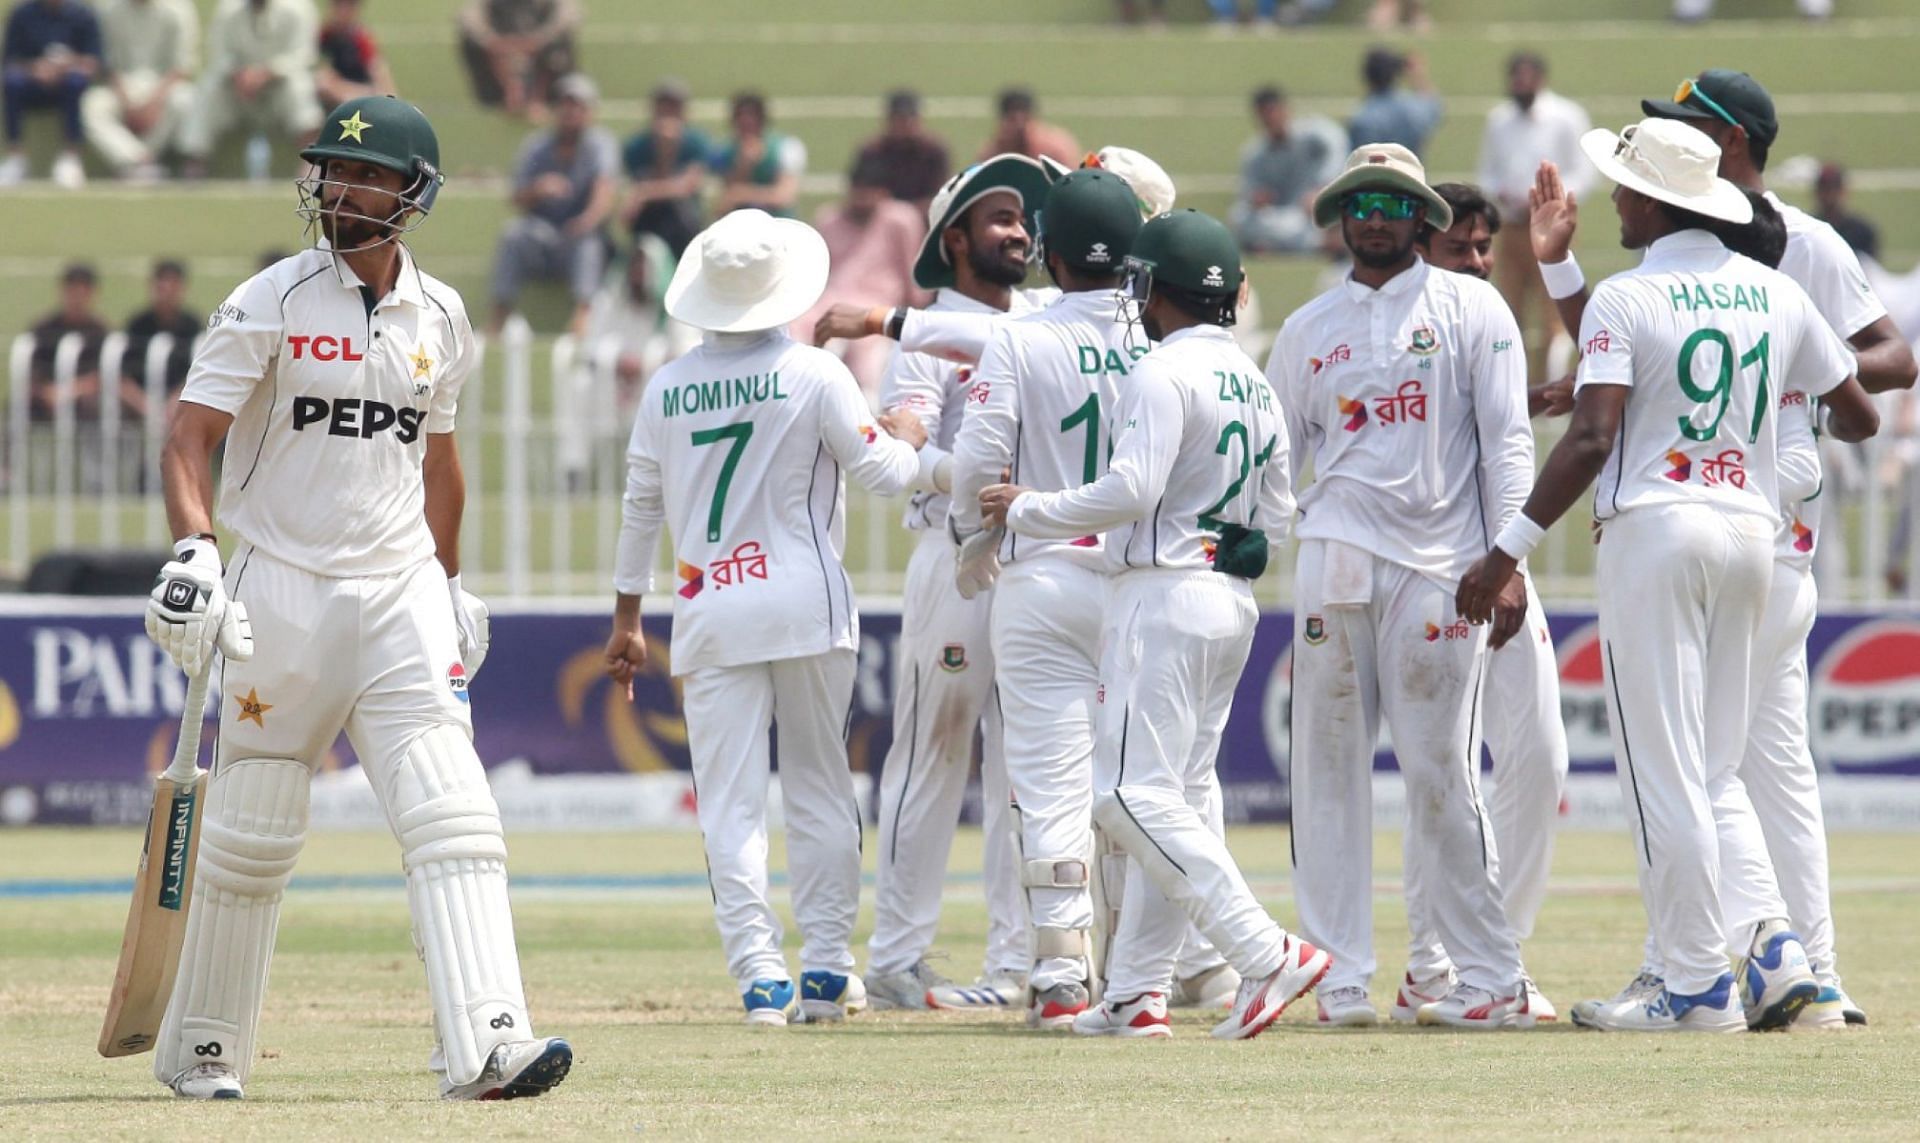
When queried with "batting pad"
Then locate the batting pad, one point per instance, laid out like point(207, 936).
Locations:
point(455, 856)
point(252, 828)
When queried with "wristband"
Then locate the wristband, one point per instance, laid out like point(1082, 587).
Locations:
point(1519, 537)
point(198, 549)
point(453, 586)
point(1563, 279)
point(895, 323)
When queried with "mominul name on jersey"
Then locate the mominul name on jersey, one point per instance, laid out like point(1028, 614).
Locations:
point(729, 393)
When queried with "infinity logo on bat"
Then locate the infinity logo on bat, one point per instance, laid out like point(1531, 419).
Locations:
point(173, 879)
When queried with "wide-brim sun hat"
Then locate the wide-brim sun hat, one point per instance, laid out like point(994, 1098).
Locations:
point(1381, 167)
point(1026, 178)
point(1667, 160)
point(749, 271)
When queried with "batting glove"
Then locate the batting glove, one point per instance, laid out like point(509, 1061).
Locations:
point(189, 614)
point(473, 624)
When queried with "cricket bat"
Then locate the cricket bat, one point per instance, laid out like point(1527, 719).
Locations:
point(162, 890)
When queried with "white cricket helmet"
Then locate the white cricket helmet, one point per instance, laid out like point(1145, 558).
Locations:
point(1150, 182)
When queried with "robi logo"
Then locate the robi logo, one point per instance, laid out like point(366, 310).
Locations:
point(324, 347)
point(1866, 696)
point(1583, 697)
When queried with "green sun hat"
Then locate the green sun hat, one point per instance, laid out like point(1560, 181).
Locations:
point(1026, 178)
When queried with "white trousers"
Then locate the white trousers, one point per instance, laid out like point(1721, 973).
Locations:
point(103, 114)
point(729, 710)
point(1528, 741)
point(1373, 638)
point(1047, 620)
point(943, 691)
point(1681, 589)
point(288, 104)
point(1175, 647)
point(1778, 768)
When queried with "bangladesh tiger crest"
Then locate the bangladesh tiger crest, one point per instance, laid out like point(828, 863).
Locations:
point(1424, 341)
point(953, 657)
point(1315, 631)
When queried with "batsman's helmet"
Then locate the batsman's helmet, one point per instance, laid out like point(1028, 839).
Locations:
point(387, 132)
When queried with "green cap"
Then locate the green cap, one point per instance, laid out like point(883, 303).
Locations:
point(1191, 251)
point(1091, 220)
point(1722, 95)
point(385, 131)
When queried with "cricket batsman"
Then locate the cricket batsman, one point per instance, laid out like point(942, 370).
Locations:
point(334, 377)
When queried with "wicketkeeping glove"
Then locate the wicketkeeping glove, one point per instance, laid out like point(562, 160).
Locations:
point(472, 623)
point(189, 614)
point(979, 563)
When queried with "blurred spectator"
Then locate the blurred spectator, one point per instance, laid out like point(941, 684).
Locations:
point(1281, 169)
point(78, 284)
point(1697, 11)
point(872, 241)
point(564, 185)
point(1229, 14)
point(1532, 125)
point(1386, 15)
point(667, 161)
point(260, 57)
point(628, 330)
point(51, 52)
point(150, 49)
point(1022, 133)
point(516, 50)
point(271, 257)
point(1156, 12)
point(912, 160)
point(165, 313)
point(1830, 199)
point(1390, 113)
point(350, 62)
point(758, 167)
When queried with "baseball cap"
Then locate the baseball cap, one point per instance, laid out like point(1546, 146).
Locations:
point(672, 90)
point(578, 86)
point(1723, 95)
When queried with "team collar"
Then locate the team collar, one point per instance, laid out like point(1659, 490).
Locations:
point(1203, 331)
point(1683, 242)
point(1410, 278)
point(406, 285)
point(946, 297)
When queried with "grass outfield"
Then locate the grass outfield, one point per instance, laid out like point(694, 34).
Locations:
point(634, 977)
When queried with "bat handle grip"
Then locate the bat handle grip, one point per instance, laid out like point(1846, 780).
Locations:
point(186, 753)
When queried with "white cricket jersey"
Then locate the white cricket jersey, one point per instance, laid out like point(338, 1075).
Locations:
point(1707, 339)
point(1829, 271)
point(962, 335)
point(1039, 406)
point(1410, 401)
point(1198, 442)
point(331, 402)
point(935, 389)
point(739, 449)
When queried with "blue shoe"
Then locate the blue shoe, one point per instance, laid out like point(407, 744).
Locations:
point(829, 997)
point(771, 1002)
point(1775, 980)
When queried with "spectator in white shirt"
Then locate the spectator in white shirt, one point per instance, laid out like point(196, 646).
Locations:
point(146, 88)
point(1532, 125)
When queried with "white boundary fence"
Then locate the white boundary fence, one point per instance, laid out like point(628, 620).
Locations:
point(543, 431)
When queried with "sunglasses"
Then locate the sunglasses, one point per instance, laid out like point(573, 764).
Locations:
point(1392, 207)
point(1688, 90)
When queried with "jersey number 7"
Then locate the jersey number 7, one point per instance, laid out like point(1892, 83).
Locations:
point(738, 435)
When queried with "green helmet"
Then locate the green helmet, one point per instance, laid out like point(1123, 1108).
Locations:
point(1190, 252)
point(387, 132)
point(1090, 221)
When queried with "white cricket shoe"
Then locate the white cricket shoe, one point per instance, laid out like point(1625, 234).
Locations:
point(1776, 981)
point(208, 1081)
point(1346, 1007)
point(1002, 989)
point(1413, 993)
point(1715, 1010)
point(1143, 1017)
point(1534, 1008)
point(1210, 988)
point(910, 989)
point(67, 172)
point(517, 1070)
point(1645, 985)
point(1466, 1006)
point(1261, 999)
point(1052, 1009)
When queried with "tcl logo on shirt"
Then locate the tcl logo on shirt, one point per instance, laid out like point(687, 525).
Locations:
point(323, 347)
point(354, 417)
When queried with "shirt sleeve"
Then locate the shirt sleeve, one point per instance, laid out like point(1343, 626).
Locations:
point(874, 460)
point(295, 54)
point(952, 335)
point(1821, 361)
point(1274, 504)
point(1148, 420)
point(984, 446)
point(1606, 338)
point(1283, 373)
point(446, 390)
point(241, 345)
point(643, 510)
point(1796, 451)
point(916, 382)
point(1499, 378)
point(1838, 286)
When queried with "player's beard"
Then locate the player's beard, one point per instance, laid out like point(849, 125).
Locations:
point(349, 230)
point(1378, 260)
point(1003, 265)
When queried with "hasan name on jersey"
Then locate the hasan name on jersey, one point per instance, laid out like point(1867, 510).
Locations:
point(330, 390)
